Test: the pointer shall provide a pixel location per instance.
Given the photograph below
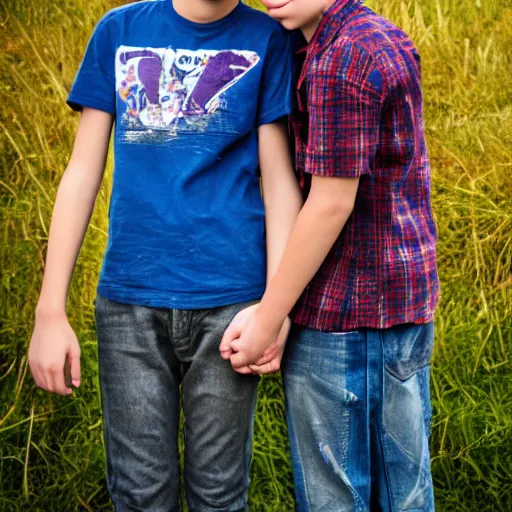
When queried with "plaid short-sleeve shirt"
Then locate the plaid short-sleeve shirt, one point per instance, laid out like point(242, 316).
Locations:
point(361, 115)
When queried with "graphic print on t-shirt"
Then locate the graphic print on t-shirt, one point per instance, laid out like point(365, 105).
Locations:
point(175, 90)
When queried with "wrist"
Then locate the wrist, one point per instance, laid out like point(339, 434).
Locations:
point(45, 312)
point(269, 317)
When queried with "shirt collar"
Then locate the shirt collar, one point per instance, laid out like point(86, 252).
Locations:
point(333, 19)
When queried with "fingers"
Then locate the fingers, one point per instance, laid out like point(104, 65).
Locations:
point(54, 355)
point(52, 378)
point(267, 357)
point(41, 376)
point(265, 369)
point(236, 345)
point(37, 375)
point(239, 360)
point(226, 354)
point(74, 365)
point(232, 333)
point(245, 370)
point(271, 349)
point(244, 355)
point(56, 381)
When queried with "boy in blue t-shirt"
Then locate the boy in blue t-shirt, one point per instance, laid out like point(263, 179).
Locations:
point(196, 91)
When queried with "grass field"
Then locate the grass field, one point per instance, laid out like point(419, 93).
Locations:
point(51, 454)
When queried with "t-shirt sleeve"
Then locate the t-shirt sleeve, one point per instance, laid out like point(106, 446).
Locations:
point(345, 103)
point(94, 85)
point(276, 94)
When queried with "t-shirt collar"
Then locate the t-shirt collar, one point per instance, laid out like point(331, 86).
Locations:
point(206, 29)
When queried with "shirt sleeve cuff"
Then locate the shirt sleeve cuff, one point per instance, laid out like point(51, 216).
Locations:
point(335, 164)
point(77, 102)
point(272, 115)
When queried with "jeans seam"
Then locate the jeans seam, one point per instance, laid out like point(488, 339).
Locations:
point(369, 416)
point(249, 450)
point(401, 379)
point(380, 423)
point(111, 480)
point(293, 436)
point(111, 477)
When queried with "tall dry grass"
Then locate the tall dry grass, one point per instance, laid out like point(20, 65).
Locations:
point(51, 454)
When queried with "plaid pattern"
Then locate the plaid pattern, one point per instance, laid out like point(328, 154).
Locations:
point(361, 115)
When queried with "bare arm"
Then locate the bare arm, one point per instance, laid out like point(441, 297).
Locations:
point(344, 135)
point(325, 213)
point(53, 338)
point(283, 201)
point(281, 193)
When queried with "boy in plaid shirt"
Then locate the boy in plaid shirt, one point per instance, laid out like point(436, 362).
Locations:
point(359, 275)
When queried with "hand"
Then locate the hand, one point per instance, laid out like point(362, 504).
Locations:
point(250, 340)
point(234, 329)
point(273, 365)
point(53, 340)
point(232, 333)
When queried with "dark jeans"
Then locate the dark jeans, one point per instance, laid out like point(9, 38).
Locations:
point(145, 354)
point(358, 409)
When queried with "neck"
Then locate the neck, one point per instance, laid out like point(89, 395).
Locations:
point(310, 29)
point(204, 11)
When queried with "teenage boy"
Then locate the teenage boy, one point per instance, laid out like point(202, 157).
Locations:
point(360, 269)
point(195, 87)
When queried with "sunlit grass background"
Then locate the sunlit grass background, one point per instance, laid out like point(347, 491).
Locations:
point(51, 454)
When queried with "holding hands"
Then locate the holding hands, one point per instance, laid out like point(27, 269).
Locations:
point(253, 344)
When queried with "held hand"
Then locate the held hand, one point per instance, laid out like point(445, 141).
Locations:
point(273, 365)
point(256, 342)
point(53, 341)
point(234, 331)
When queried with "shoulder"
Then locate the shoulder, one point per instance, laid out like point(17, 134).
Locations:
point(375, 33)
point(386, 46)
point(120, 13)
point(371, 51)
point(346, 63)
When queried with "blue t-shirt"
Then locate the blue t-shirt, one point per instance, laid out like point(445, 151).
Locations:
point(186, 214)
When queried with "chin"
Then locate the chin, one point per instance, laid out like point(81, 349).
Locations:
point(289, 24)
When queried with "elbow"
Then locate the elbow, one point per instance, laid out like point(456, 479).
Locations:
point(78, 182)
point(336, 209)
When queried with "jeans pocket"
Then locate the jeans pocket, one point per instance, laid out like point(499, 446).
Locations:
point(408, 349)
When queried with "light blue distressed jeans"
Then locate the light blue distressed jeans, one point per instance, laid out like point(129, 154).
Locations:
point(358, 410)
